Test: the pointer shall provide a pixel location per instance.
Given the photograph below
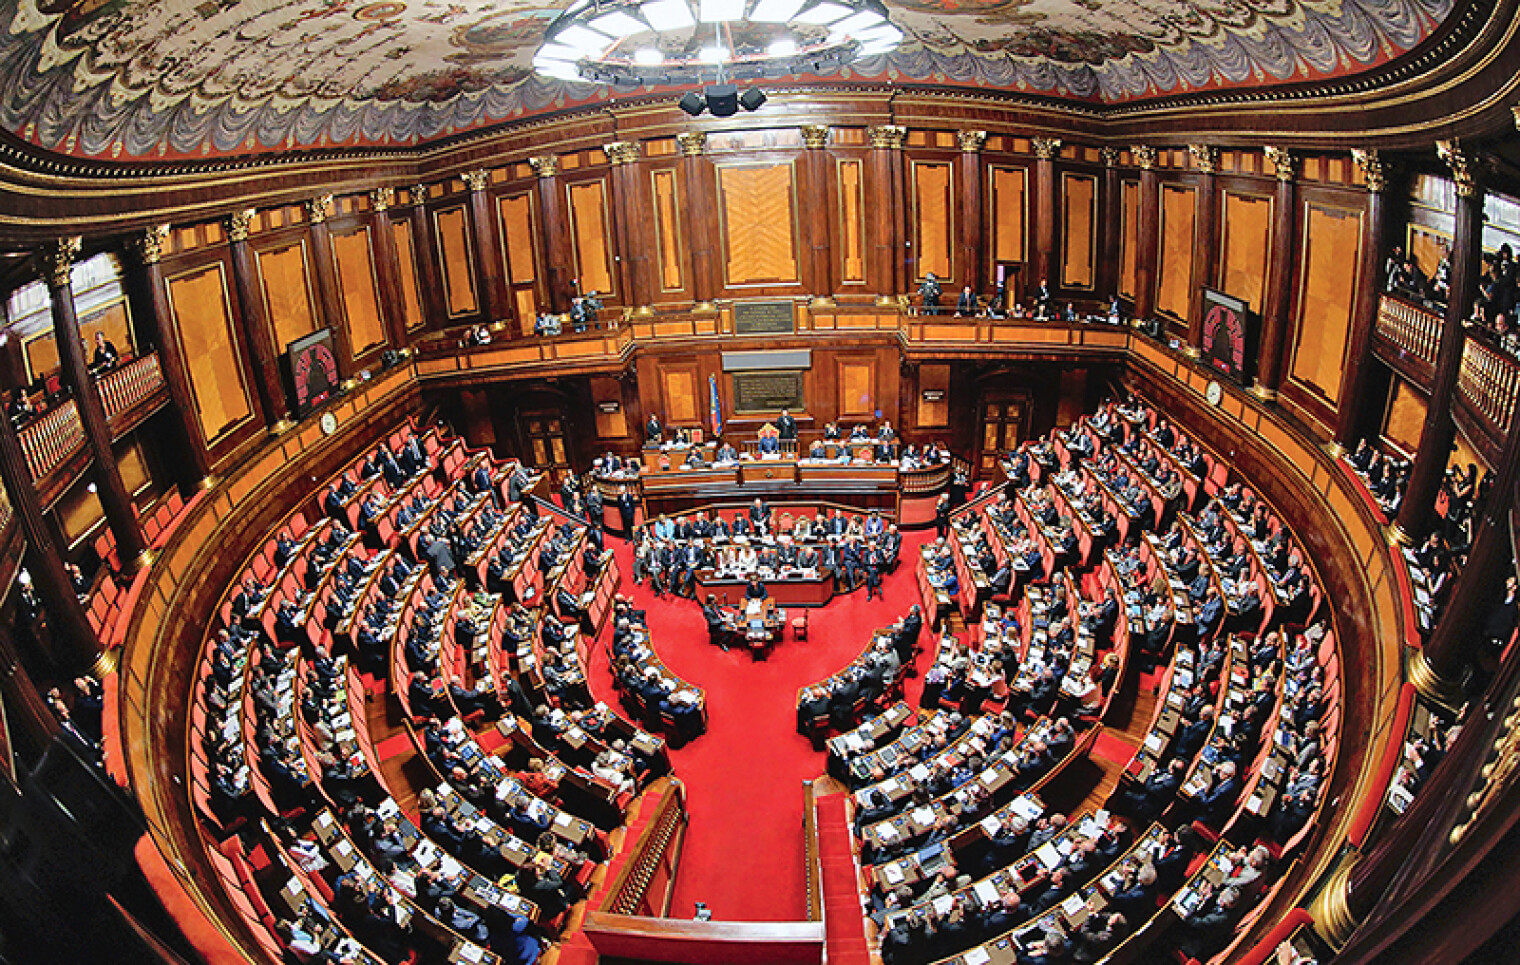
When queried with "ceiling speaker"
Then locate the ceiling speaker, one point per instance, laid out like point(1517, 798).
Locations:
point(723, 100)
point(752, 98)
point(693, 103)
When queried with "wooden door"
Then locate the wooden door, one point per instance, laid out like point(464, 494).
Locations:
point(547, 449)
point(1002, 429)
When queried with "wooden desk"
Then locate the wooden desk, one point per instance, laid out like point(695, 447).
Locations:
point(785, 591)
point(636, 938)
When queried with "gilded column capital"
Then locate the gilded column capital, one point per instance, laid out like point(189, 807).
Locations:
point(56, 259)
point(238, 223)
point(418, 193)
point(1046, 148)
point(148, 246)
point(1374, 168)
point(476, 180)
point(1145, 156)
point(1205, 157)
point(1464, 172)
point(545, 165)
point(317, 208)
point(1284, 162)
point(815, 136)
point(693, 143)
point(381, 199)
point(1110, 156)
point(971, 142)
point(889, 136)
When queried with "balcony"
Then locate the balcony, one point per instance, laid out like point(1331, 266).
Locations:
point(51, 438)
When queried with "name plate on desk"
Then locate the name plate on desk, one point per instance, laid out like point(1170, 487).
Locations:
point(763, 318)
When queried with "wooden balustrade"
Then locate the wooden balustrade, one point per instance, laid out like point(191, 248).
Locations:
point(1489, 382)
point(51, 438)
point(647, 879)
point(1413, 330)
point(124, 387)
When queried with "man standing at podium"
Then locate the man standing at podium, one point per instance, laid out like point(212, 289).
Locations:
point(653, 430)
point(786, 426)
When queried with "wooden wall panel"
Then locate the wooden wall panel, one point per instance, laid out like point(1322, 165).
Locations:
point(456, 256)
point(933, 379)
point(667, 225)
point(1009, 213)
point(759, 232)
point(286, 284)
point(609, 425)
point(678, 391)
point(857, 384)
point(406, 259)
point(1079, 215)
point(933, 218)
point(1427, 246)
point(1129, 236)
point(852, 259)
point(1326, 296)
point(78, 511)
point(359, 290)
point(1246, 243)
point(517, 236)
point(114, 319)
point(1404, 422)
point(588, 235)
point(1174, 290)
point(198, 300)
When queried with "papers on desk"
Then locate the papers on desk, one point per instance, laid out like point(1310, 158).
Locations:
point(887, 832)
point(1073, 905)
point(562, 820)
point(471, 952)
point(1154, 743)
point(989, 776)
point(977, 956)
point(919, 772)
point(1027, 808)
point(1049, 855)
point(986, 892)
point(893, 873)
point(923, 816)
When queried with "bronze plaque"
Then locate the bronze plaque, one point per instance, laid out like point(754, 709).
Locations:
point(767, 391)
point(763, 318)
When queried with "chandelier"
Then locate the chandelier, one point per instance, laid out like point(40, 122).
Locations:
point(682, 42)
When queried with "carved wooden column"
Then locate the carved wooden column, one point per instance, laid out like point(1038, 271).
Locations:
point(1206, 159)
point(146, 274)
point(818, 267)
point(973, 263)
point(245, 283)
point(425, 250)
point(1046, 150)
point(1113, 223)
point(630, 205)
point(1147, 233)
point(388, 267)
point(76, 649)
point(1417, 512)
point(554, 233)
point(1350, 410)
point(329, 301)
point(702, 202)
point(884, 237)
point(1279, 295)
point(489, 252)
point(57, 263)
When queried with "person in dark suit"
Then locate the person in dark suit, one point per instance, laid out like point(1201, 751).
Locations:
point(653, 430)
point(1215, 803)
point(786, 426)
point(756, 590)
point(106, 357)
point(1146, 801)
point(929, 290)
point(965, 305)
point(627, 510)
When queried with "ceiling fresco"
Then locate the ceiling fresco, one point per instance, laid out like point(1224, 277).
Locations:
point(174, 79)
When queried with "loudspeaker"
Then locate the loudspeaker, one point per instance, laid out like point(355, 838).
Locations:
point(723, 100)
point(752, 99)
point(693, 103)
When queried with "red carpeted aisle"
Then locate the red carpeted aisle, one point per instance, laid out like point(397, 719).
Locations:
point(744, 852)
point(844, 931)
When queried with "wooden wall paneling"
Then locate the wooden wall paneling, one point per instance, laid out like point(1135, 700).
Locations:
point(1427, 246)
point(933, 401)
point(407, 271)
point(1352, 422)
point(424, 248)
point(850, 178)
point(669, 253)
point(590, 237)
point(359, 290)
point(878, 207)
point(1205, 244)
point(388, 268)
point(490, 253)
point(1110, 225)
point(643, 253)
point(559, 261)
point(813, 197)
point(114, 319)
point(285, 285)
point(969, 193)
point(1174, 289)
point(325, 279)
point(1129, 239)
point(208, 342)
point(1006, 230)
point(519, 235)
point(1332, 240)
point(856, 381)
point(1404, 416)
point(933, 213)
point(758, 222)
point(1246, 238)
point(456, 257)
point(623, 222)
point(1079, 218)
point(1279, 295)
point(608, 391)
point(680, 401)
point(1147, 240)
point(699, 184)
point(1045, 213)
point(252, 319)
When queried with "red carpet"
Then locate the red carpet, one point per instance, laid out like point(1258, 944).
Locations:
point(744, 850)
point(1112, 749)
point(844, 928)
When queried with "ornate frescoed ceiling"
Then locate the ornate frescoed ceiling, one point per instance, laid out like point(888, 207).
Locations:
point(163, 79)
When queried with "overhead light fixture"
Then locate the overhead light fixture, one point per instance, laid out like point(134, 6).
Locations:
point(713, 55)
point(775, 11)
point(825, 12)
point(667, 14)
point(618, 24)
point(857, 22)
point(584, 39)
point(785, 47)
point(648, 57)
point(720, 11)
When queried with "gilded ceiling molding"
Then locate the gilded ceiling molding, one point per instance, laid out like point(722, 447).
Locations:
point(1284, 162)
point(1463, 171)
point(889, 136)
point(1110, 156)
point(381, 199)
point(693, 143)
point(1046, 148)
point(1205, 157)
point(476, 180)
point(238, 223)
point(148, 245)
point(1374, 169)
point(971, 142)
point(815, 136)
point(317, 208)
point(544, 165)
point(419, 193)
point(56, 259)
point(1145, 156)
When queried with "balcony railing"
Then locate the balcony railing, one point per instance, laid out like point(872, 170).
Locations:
point(1489, 380)
point(128, 385)
point(51, 438)
point(1414, 330)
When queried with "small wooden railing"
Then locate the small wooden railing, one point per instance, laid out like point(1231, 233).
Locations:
point(647, 880)
point(1489, 380)
point(122, 388)
point(51, 438)
point(1414, 330)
